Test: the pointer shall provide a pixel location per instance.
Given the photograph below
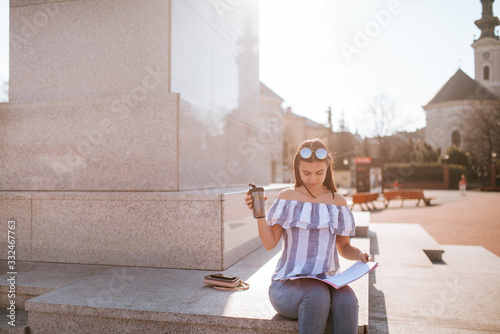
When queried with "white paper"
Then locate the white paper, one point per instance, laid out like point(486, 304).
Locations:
point(354, 272)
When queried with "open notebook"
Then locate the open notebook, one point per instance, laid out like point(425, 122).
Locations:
point(354, 272)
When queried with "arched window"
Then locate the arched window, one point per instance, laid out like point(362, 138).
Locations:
point(455, 138)
point(486, 73)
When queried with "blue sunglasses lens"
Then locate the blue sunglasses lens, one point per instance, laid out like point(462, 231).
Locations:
point(306, 153)
point(321, 153)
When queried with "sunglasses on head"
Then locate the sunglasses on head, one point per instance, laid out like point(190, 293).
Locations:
point(306, 152)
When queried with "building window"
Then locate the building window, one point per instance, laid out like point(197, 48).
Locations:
point(486, 73)
point(455, 138)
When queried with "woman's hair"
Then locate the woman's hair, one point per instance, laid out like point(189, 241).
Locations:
point(314, 144)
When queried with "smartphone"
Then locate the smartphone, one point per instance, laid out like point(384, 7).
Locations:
point(222, 277)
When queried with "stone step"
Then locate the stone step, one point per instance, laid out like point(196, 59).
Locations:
point(13, 322)
point(362, 224)
point(93, 299)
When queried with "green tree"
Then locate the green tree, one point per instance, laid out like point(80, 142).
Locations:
point(455, 156)
point(427, 153)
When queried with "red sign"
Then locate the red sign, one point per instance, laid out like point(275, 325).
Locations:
point(363, 160)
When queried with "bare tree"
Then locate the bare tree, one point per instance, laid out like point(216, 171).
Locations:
point(482, 131)
point(382, 114)
point(382, 117)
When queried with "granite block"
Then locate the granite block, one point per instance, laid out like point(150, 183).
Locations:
point(20, 3)
point(240, 234)
point(205, 52)
point(35, 279)
point(117, 299)
point(233, 152)
point(139, 196)
point(15, 212)
point(90, 145)
point(21, 323)
point(219, 120)
point(362, 220)
point(53, 323)
point(123, 43)
point(151, 233)
point(209, 229)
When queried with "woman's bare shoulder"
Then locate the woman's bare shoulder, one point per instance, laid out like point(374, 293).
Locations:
point(339, 200)
point(288, 194)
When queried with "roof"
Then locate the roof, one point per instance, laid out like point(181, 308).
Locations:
point(462, 87)
point(269, 93)
point(307, 121)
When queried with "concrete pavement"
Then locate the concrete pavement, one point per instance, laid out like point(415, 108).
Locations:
point(452, 219)
point(409, 293)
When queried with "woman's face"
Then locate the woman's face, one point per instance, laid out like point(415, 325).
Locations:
point(313, 174)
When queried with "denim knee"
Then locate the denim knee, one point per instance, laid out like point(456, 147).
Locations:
point(316, 293)
point(287, 296)
point(344, 310)
point(345, 298)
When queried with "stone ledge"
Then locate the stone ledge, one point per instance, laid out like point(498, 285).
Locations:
point(362, 224)
point(162, 298)
point(21, 322)
point(110, 228)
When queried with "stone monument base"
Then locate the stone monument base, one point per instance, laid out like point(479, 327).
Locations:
point(207, 230)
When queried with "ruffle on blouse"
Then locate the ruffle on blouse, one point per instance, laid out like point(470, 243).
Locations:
point(306, 215)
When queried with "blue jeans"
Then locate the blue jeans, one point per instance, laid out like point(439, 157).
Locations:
point(312, 301)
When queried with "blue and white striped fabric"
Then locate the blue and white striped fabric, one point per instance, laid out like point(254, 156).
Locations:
point(309, 232)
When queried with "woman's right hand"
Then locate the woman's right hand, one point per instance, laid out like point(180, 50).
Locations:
point(248, 200)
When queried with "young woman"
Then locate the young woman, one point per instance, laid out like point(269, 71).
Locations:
point(315, 224)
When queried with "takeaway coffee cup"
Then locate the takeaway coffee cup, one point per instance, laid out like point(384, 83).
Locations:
point(258, 201)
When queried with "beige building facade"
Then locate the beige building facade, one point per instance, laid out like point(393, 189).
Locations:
point(272, 112)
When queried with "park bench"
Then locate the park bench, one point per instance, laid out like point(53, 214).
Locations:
point(364, 198)
point(417, 194)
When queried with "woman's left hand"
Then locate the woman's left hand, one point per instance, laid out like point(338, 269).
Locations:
point(365, 257)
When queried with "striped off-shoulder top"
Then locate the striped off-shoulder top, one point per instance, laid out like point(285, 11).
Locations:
point(309, 232)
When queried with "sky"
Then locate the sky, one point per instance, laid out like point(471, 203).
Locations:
point(342, 54)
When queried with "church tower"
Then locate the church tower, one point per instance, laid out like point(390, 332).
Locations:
point(487, 50)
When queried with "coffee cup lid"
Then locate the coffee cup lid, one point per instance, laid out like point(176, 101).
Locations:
point(254, 188)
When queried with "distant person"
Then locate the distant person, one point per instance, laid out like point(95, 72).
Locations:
point(315, 223)
point(462, 185)
point(396, 185)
